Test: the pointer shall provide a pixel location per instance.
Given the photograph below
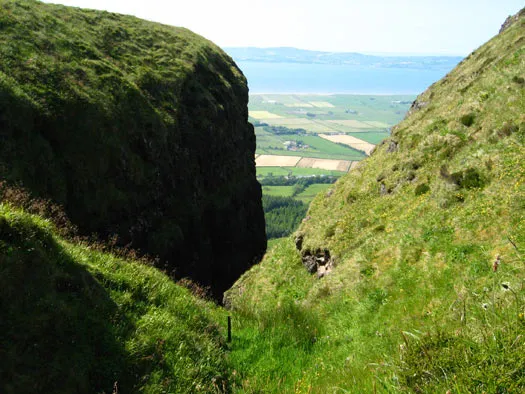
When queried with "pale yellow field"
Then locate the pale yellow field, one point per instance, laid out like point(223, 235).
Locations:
point(321, 104)
point(350, 141)
point(276, 161)
point(353, 123)
point(306, 162)
point(325, 164)
point(263, 115)
point(303, 162)
point(320, 127)
point(377, 124)
point(354, 164)
point(299, 105)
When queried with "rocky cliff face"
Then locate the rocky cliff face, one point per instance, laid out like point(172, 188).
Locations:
point(137, 129)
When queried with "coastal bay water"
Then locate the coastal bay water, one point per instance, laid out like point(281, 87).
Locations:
point(267, 77)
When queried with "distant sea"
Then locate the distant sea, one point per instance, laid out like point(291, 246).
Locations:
point(265, 77)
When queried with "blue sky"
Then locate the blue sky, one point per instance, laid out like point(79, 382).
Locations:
point(454, 27)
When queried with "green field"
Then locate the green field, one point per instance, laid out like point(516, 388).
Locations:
point(271, 144)
point(283, 191)
point(296, 171)
point(387, 110)
point(311, 191)
point(368, 118)
point(287, 191)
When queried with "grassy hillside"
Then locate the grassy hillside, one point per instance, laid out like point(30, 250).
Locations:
point(76, 320)
point(138, 129)
point(427, 243)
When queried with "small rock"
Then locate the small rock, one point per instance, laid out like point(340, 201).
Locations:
point(392, 147)
point(321, 271)
point(299, 242)
point(310, 263)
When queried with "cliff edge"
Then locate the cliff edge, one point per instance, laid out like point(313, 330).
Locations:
point(138, 129)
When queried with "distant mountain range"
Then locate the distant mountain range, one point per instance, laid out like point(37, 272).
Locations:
point(294, 55)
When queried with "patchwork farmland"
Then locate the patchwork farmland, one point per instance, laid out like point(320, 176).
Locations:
point(323, 133)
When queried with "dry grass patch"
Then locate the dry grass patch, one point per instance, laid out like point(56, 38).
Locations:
point(324, 164)
point(322, 104)
point(354, 164)
point(264, 115)
point(276, 161)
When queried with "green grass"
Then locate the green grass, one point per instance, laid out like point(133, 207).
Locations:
point(296, 171)
point(363, 108)
point(368, 107)
point(311, 191)
point(283, 191)
point(157, 104)
point(318, 147)
point(413, 304)
point(75, 319)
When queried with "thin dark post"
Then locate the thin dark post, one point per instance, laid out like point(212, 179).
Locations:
point(229, 329)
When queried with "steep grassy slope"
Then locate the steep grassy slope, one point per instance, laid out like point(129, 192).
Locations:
point(137, 129)
point(75, 320)
point(427, 240)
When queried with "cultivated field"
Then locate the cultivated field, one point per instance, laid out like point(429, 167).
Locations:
point(276, 161)
point(322, 104)
point(303, 162)
point(263, 172)
point(324, 164)
point(356, 124)
point(305, 196)
point(263, 115)
point(333, 131)
point(355, 143)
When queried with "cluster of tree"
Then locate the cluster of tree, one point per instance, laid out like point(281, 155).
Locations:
point(292, 180)
point(282, 214)
point(282, 130)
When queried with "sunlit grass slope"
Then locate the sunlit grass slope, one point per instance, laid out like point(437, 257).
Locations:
point(76, 320)
point(419, 300)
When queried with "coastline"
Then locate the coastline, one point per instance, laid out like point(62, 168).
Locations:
point(331, 94)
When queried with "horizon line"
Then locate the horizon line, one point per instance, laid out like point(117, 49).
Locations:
point(369, 53)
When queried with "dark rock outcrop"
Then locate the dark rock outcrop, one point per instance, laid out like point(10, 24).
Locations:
point(511, 19)
point(318, 262)
point(139, 130)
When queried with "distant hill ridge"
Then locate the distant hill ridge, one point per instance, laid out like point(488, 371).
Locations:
point(294, 55)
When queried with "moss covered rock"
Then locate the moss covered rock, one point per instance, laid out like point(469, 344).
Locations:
point(138, 129)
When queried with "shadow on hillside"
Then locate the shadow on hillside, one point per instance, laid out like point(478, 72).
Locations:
point(57, 323)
